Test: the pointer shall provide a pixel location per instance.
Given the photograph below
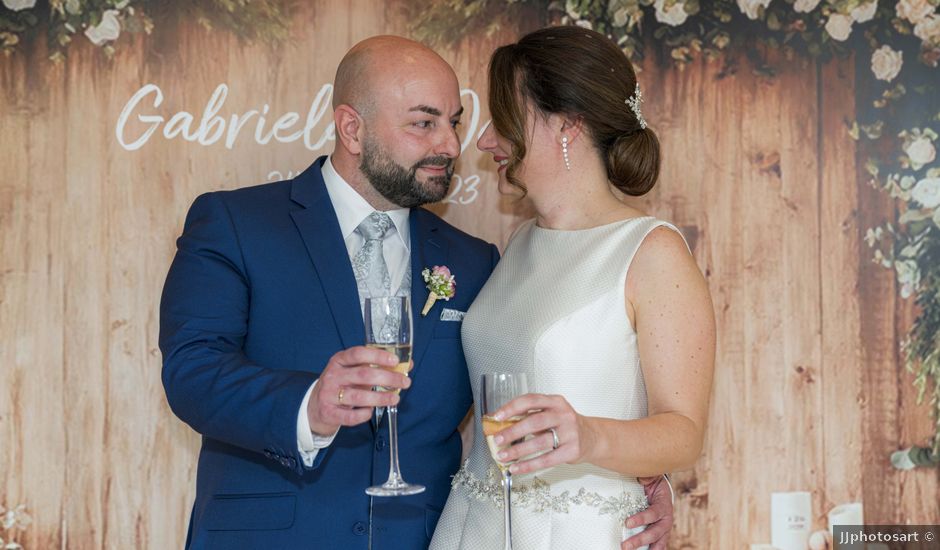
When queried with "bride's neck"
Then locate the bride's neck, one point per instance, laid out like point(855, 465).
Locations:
point(579, 204)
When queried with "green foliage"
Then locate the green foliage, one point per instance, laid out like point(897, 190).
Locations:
point(104, 21)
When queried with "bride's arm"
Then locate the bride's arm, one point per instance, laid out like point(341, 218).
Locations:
point(466, 434)
point(675, 326)
point(669, 304)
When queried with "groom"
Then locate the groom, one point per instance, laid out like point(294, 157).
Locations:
point(261, 325)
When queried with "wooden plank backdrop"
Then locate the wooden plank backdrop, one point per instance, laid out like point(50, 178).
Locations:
point(759, 173)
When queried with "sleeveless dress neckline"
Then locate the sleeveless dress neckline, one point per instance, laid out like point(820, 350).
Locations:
point(550, 230)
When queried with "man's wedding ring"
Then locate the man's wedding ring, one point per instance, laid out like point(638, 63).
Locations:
point(555, 441)
point(339, 399)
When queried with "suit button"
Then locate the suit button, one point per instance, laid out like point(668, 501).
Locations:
point(359, 528)
point(380, 443)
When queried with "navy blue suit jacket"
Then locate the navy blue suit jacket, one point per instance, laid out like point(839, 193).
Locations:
point(259, 296)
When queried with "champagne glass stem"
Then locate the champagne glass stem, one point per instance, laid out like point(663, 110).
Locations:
point(388, 326)
point(394, 473)
point(507, 513)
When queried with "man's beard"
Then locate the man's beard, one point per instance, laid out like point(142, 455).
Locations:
point(400, 185)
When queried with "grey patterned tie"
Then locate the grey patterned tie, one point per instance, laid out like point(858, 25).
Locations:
point(368, 264)
point(372, 277)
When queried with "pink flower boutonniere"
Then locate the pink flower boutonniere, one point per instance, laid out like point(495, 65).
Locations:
point(440, 283)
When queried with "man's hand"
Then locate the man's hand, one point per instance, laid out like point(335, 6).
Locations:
point(344, 396)
point(657, 518)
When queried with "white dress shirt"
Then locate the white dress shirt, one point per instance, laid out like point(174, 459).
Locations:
point(351, 209)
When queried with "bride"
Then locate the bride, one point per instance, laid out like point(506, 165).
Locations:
point(602, 306)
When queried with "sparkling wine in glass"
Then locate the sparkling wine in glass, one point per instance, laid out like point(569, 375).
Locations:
point(491, 427)
point(388, 327)
point(495, 391)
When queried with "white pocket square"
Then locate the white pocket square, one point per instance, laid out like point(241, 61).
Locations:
point(448, 314)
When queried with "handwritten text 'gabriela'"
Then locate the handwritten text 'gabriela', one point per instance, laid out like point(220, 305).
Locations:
point(212, 127)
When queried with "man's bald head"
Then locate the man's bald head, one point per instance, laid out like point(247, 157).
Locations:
point(375, 60)
point(396, 107)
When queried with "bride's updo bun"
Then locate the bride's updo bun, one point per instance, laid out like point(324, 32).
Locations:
point(579, 73)
point(633, 162)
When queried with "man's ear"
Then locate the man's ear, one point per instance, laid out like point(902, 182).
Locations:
point(348, 126)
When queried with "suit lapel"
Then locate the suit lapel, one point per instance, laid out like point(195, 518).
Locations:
point(321, 234)
point(427, 250)
point(316, 221)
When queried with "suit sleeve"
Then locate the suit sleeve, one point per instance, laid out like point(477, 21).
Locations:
point(210, 384)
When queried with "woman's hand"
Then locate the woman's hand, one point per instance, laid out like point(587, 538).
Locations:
point(557, 431)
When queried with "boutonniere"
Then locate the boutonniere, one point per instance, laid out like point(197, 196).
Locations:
point(441, 285)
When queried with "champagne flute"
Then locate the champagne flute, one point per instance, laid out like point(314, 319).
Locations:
point(388, 327)
point(495, 391)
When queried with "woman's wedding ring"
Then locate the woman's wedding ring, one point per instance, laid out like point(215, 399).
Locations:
point(339, 399)
point(555, 441)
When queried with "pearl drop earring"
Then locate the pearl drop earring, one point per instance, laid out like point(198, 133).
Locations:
point(564, 151)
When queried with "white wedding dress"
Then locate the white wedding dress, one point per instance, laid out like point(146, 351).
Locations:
point(554, 309)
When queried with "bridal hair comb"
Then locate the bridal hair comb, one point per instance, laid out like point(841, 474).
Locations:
point(634, 102)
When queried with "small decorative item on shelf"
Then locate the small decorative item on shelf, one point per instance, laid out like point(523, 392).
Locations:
point(820, 540)
point(791, 516)
point(847, 514)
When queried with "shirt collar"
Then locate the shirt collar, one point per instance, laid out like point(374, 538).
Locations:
point(351, 208)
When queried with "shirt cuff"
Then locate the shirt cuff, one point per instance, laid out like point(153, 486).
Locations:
point(309, 443)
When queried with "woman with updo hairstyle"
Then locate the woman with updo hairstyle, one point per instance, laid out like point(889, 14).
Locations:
point(602, 306)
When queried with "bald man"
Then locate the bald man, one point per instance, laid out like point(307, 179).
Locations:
point(262, 334)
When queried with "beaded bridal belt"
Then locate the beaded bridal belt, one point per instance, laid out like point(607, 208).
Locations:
point(535, 494)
